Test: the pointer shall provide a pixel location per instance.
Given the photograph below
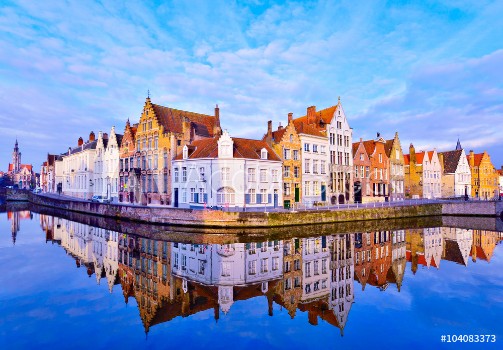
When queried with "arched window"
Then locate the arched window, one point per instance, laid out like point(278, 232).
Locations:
point(226, 195)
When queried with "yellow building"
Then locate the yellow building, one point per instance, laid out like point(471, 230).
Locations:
point(162, 133)
point(484, 176)
point(286, 143)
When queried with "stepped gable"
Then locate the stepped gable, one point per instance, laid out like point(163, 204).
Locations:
point(243, 148)
point(451, 160)
point(278, 134)
point(477, 158)
point(172, 119)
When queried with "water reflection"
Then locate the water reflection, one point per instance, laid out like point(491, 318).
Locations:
point(313, 275)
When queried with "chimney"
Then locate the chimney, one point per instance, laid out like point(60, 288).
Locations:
point(279, 126)
point(471, 159)
point(441, 160)
point(80, 142)
point(217, 130)
point(290, 117)
point(186, 130)
point(92, 137)
point(412, 152)
point(311, 115)
point(361, 140)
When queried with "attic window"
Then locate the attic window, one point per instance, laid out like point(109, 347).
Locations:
point(263, 154)
point(185, 152)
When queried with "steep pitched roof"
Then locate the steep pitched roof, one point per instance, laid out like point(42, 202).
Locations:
point(355, 148)
point(308, 129)
point(370, 146)
point(388, 146)
point(451, 160)
point(477, 159)
point(419, 158)
point(243, 148)
point(172, 119)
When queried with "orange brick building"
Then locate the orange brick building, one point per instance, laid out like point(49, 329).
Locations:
point(484, 176)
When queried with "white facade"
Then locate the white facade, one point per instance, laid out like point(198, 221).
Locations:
point(315, 174)
point(106, 168)
point(432, 175)
point(433, 246)
point(225, 180)
point(463, 177)
point(340, 137)
point(78, 170)
point(463, 238)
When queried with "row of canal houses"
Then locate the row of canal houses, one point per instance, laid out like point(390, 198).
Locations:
point(185, 159)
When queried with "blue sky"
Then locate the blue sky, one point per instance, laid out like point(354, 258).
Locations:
point(431, 71)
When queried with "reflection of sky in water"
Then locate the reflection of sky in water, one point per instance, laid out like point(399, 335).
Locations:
point(45, 300)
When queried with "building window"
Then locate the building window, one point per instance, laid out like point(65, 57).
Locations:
point(315, 166)
point(263, 154)
point(192, 195)
point(201, 174)
point(295, 154)
point(286, 154)
point(275, 177)
point(252, 194)
point(315, 148)
point(306, 147)
point(380, 158)
point(184, 174)
point(286, 171)
point(263, 195)
point(264, 265)
point(263, 175)
point(176, 174)
point(201, 195)
point(226, 174)
point(296, 172)
point(306, 166)
point(226, 195)
point(251, 175)
point(252, 267)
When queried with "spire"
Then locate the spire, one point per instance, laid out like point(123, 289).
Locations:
point(458, 146)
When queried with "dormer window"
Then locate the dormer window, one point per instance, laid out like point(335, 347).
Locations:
point(185, 151)
point(263, 154)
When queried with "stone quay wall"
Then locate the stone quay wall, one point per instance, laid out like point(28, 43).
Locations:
point(217, 218)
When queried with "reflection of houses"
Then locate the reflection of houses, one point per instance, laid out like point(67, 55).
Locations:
point(424, 247)
point(398, 258)
point(396, 168)
point(457, 244)
point(291, 287)
point(14, 217)
point(341, 282)
point(373, 258)
point(483, 244)
point(363, 257)
point(105, 255)
point(381, 259)
point(316, 272)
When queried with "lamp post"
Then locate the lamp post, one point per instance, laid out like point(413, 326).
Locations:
point(91, 184)
point(108, 184)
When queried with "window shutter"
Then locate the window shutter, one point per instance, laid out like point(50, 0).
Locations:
point(205, 198)
point(196, 197)
point(259, 198)
point(247, 198)
point(269, 200)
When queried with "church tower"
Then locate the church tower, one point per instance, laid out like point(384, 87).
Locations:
point(16, 159)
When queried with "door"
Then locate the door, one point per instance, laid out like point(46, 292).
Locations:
point(297, 194)
point(358, 192)
point(323, 193)
point(275, 200)
point(175, 202)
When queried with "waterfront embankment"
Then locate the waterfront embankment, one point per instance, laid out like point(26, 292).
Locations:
point(219, 218)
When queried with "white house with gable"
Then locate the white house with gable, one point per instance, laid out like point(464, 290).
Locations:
point(227, 172)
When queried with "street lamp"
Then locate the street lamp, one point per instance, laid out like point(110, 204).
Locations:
point(108, 184)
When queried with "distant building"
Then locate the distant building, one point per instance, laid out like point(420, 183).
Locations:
point(106, 165)
point(484, 176)
point(456, 177)
point(396, 168)
point(423, 174)
point(21, 175)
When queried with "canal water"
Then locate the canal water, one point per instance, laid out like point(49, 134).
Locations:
point(68, 284)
